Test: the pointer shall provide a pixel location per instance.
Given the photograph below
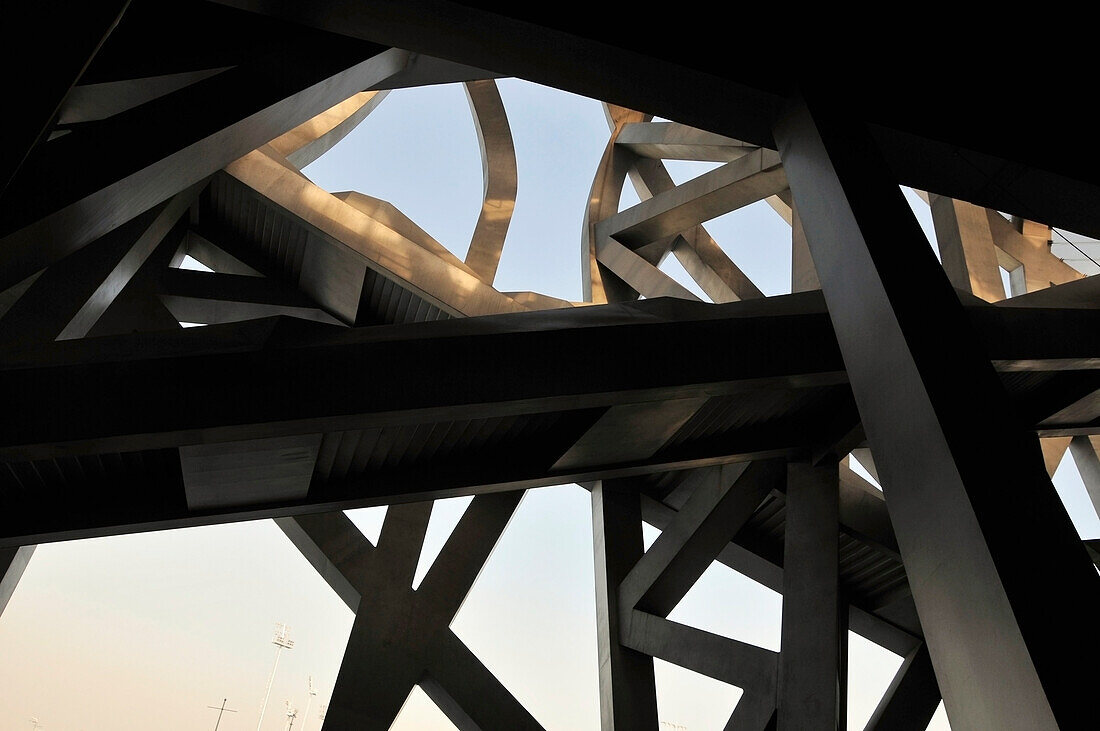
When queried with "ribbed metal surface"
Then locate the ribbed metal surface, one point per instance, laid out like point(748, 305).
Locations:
point(1021, 383)
point(350, 453)
point(384, 302)
point(751, 408)
point(278, 241)
point(73, 476)
point(866, 572)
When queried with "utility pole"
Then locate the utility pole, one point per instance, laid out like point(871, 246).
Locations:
point(221, 709)
point(291, 714)
point(282, 641)
point(35, 725)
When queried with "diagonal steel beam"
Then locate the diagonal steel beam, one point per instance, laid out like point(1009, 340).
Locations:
point(746, 180)
point(243, 108)
point(945, 476)
point(912, 698)
point(713, 514)
point(401, 637)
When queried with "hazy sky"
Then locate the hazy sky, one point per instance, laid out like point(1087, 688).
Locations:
point(145, 631)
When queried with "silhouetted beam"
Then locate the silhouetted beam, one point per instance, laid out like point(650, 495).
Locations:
point(862, 620)
point(912, 698)
point(471, 697)
point(101, 177)
point(51, 302)
point(812, 684)
point(863, 513)
point(628, 694)
point(714, 513)
point(376, 583)
point(229, 379)
point(67, 36)
point(950, 464)
point(137, 269)
point(737, 663)
point(972, 154)
point(112, 390)
point(207, 297)
point(13, 561)
point(93, 102)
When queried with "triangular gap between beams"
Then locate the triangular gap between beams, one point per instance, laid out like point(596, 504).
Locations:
point(369, 521)
point(689, 700)
point(420, 712)
point(445, 516)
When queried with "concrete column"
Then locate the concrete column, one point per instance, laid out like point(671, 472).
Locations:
point(628, 694)
point(811, 661)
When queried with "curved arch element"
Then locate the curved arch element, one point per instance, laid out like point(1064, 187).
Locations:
point(599, 284)
point(498, 170)
point(309, 140)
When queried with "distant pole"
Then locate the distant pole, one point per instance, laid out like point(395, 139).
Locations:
point(282, 641)
point(309, 702)
point(35, 725)
point(221, 709)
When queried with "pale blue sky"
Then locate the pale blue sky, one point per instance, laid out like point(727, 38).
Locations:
point(145, 631)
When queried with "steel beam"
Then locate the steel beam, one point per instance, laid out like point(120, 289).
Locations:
point(70, 36)
point(912, 698)
point(949, 456)
point(1086, 453)
point(628, 695)
point(748, 179)
point(812, 681)
point(13, 562)
point(966, 247)
point(716, 510)
point(401, 637)
point(245, 107)
point(498, 171)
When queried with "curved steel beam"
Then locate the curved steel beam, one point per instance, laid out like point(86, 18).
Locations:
point(498, 170)
point(313, 138)
point(599, 285)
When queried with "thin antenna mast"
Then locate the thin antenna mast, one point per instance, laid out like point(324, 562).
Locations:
point(221, 709)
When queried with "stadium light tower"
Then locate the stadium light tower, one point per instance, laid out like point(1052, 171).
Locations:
point(282, 641)
point(309, 702)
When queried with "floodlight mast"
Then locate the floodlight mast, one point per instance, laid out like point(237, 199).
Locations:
point(282, 641)
point(309, 702)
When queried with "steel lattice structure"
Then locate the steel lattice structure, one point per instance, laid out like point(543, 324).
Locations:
point(732, 433)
